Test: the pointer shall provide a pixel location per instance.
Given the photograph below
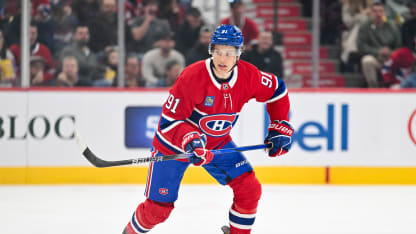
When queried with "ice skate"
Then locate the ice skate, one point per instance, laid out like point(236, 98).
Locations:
point(225, 229)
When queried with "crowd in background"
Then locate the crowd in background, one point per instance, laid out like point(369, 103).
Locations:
point(74, 42)
point(377, 39)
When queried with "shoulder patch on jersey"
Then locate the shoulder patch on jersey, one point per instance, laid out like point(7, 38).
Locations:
point(209, 101)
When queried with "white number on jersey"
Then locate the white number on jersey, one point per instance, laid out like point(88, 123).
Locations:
point(266, 79)
point(171, 100)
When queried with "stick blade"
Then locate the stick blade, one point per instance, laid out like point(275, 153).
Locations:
point(87, 153)
point(93, 159)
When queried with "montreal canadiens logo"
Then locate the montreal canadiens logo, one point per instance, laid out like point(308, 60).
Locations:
point(412, 127)
point(163, 191)
point(217, 125)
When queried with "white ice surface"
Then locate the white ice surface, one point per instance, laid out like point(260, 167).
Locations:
point(92, 209)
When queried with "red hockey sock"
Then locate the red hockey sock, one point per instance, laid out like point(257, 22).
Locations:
point(147, 215)
point(247, 192)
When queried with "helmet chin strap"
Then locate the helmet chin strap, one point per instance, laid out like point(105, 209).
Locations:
point(235, 64)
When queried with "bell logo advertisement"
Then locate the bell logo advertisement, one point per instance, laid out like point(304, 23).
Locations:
point(140, 125)
point(412, 127)
point(323, 130)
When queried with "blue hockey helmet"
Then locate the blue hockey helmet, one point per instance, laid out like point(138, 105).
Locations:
point(227, 35)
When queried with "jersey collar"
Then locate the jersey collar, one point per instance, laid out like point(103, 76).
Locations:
point(217, 84)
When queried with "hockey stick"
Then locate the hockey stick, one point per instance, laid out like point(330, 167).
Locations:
point(98, 162)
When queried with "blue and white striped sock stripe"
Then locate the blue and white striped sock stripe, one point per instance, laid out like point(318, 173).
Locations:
point(136, 226)
point(241, 221)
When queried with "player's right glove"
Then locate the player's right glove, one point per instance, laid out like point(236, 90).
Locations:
point(280, 138)
point(195, 143)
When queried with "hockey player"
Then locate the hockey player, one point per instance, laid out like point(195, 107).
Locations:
point(198, 115)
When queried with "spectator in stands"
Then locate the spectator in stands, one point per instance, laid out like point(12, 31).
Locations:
point(111, 65)
point(264, 56)
point(155, 60)
point(37, 49)
point(7, 65)
point(399, 69)
point(69, 76)
point(87, 59)
point(64, 22)
point(354, 13)
point(376, 39)
point(173, 11)
point(189, 31)
point(103, 27)
point(248, 27)
point(43, 19)
point(85, 9)
point(146, 28)
point(200, 50)
point(173, 69)
point(133, 72)
point(37, 71)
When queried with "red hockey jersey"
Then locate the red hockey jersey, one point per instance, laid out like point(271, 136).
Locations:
point(399, 66)
point(197, 102)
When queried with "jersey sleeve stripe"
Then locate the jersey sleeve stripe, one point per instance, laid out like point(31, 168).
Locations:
point(167, 123)
point(195, 117)
point(171, 126)
point(280, 91)
point(192, 122)
point(168, 118)
point(200, 112)
point(168, 144)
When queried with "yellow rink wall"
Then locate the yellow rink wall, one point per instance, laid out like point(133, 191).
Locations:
point(196, 175)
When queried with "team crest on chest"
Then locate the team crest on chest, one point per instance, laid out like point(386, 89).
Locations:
point(217, 125)
point(209, 101)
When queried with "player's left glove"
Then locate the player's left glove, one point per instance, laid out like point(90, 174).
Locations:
point(195, 143)
point(280, 138)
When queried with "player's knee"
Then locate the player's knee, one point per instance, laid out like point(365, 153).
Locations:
point(155, 212)
point(247, 192)
point(147, 215)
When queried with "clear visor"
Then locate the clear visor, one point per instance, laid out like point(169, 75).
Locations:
point(227, 53)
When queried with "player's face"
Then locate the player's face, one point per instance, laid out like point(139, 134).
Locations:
point(224, 58)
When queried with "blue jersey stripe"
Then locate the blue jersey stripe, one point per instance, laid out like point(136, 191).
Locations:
point(195, 117)
point(281, 88)
point(165, 123)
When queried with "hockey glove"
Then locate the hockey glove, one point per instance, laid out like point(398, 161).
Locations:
point(195, 143)
point(280, 137)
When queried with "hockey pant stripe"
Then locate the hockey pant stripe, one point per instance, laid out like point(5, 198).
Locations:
point(136, 225)
point(241, 221)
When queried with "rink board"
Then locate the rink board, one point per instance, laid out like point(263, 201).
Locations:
point(194, 175)
point(343, 136)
